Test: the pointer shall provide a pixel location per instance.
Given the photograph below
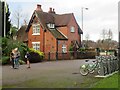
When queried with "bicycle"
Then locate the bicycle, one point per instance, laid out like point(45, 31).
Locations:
point(90, 68)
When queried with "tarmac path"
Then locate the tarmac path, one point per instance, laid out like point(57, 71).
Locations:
point(46, 71)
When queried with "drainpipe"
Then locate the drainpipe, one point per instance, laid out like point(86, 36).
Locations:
point(56, 49)
point(44, 41)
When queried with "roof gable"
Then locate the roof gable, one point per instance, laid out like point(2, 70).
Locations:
point(59, 20)
point(21, 34)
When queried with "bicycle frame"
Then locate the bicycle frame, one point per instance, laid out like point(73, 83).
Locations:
point(92, 67)
point(89, 68)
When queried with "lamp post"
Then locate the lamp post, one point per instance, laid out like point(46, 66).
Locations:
point(119, 32)
point(82, 19)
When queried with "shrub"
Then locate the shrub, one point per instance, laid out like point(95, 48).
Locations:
point(8, 44)
point(21, 62)
point(82, 49)
point(5, 60)
point(36, 51)
point(35, 55)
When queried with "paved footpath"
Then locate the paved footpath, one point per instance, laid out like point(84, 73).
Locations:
point(52, 70)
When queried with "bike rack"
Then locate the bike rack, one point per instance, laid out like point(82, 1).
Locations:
point(108, 65)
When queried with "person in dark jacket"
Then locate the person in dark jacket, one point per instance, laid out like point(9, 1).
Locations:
point(12, 58)
point(27, 56)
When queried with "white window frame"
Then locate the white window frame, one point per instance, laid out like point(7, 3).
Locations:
point(64, 48)
point(50, 25)
point(72, 29)
point(36, 29)
point(36, 45)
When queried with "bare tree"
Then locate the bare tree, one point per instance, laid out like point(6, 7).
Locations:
point(17, 16)
point(87, 37)
point(103, 34)
point(106, 41)
point(25, 19)
point(109, 34)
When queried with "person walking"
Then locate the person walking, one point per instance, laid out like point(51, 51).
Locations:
point(16, 58)
point(12, 58)
point(27, 56)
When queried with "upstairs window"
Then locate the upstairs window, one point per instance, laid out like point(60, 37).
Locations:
point(36, 45)
point(64, 48)
point(50, 25)
point(36, 29)
point(72, 29)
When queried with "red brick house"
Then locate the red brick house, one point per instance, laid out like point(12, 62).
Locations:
point(51, 32)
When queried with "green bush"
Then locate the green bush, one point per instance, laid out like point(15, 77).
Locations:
point(82, 49)
point(35, 55)
point(21, 62)
point(5, 60)
point(8, 44)
point(36, 51)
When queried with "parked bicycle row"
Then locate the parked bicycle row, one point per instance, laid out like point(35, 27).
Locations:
point(103, 64)
point(109, 64)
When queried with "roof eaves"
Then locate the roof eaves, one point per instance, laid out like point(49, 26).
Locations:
point(63, 34)
point(58, 37)
point(44, 27)
point(31, 20)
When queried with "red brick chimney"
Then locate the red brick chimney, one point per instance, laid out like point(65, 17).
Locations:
point(39, 8)
point(53, 11)
point(50, 10)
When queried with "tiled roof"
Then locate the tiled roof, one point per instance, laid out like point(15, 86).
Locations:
point(62, 20)
point(46, 18)
point(58, 20)
point(22, 35)
point(57, 34)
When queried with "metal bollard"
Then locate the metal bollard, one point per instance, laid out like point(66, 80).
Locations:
point(102, 72)
point(114, 64)
point(109, 65)
point(105, 65)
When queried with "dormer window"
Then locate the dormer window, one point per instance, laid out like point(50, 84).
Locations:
point(72, 29)
point(36, 29)
point(50, 25)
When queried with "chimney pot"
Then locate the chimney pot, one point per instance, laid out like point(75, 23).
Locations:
point(38, 7)
point(50, 10)
point(53, 10)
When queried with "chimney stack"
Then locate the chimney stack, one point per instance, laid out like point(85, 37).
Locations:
point(51, 10)
point(39, 8)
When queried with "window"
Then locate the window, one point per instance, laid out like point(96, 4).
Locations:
point(64, 48)
point(36, 45)
point(50, 25)
point(36, 29)
point(72, 29)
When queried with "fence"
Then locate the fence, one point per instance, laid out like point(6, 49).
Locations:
point(108, 64)
point(69, 55)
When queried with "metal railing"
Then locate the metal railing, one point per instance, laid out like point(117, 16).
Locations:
point(69, 55)
point(108, 65)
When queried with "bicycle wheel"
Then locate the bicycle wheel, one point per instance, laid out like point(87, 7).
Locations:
point(83, 70)
point(91, 68)
point(92, 71)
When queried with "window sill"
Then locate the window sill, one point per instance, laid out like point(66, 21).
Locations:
point(36, 34)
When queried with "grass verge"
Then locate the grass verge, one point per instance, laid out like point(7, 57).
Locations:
point(109, 82)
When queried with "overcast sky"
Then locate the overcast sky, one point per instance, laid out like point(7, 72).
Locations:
point(102, 14)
